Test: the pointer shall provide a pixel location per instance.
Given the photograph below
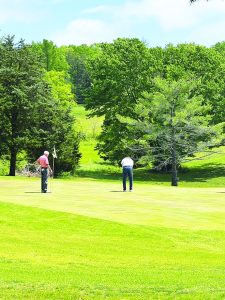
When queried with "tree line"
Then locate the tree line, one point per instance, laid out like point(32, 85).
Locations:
point(160, 105)
point(36, 104)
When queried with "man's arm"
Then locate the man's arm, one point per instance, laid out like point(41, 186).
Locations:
point(50, 170)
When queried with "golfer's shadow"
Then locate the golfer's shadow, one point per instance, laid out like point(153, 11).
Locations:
point(32, 192)
point(116, 191)
point(36, 193)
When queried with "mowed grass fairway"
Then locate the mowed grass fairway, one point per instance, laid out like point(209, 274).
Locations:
point(88, 240)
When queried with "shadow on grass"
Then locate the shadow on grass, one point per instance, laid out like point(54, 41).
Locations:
point(193, 174)
point(36, 193)
point(32, 192)
point(203, 173)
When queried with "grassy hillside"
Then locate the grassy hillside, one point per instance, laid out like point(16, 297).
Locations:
point(90, 127)
point(91, 165)
point(207, 172)
point(87, 240)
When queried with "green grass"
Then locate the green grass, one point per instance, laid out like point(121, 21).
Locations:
point(4, 167)
point(89, 127)
point(88, 240)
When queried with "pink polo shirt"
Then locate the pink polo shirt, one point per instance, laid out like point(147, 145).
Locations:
point(43, 161)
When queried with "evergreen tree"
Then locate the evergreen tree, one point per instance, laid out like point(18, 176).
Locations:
point(78, 58)
point(172, 125)
point(21, 88)
point(31, 118)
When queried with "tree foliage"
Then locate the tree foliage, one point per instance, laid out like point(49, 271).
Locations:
point(52, 57)
point(127, 68)
point(204, 64)
point(39, 83)
point(31, 118)
point(78, 58)
point(172, 124)
point(61, 89)
point(21, 88)
point(119, 75)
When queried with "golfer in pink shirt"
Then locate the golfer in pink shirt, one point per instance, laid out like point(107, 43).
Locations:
point(44, 164)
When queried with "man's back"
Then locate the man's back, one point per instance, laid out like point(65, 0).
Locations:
point(127, 162)
point(43, 161)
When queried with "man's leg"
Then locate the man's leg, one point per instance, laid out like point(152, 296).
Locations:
point(124, 179)
point(130, 174)
point(44, 180)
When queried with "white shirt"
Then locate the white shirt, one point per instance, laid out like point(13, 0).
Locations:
point(127, 162)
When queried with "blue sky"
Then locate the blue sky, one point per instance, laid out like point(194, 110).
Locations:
point(158, 22)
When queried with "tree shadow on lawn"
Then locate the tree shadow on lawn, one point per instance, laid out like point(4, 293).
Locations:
point(193, 174)
point(203, 173)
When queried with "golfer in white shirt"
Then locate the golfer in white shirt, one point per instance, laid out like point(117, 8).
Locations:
point(127, 164)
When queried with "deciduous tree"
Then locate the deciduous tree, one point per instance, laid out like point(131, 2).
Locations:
point(118, 76)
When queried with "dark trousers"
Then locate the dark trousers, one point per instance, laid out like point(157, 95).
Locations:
point(44, 180)
point(127, 172)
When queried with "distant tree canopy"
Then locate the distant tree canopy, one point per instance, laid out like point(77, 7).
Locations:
point(78, 58)
point(52, 57)
point(72, 60)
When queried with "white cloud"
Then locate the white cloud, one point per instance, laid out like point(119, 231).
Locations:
point(17, 16)
point(57, 1)
point(168, 13)
point(171, 14)
point(159, 18)
point(209, 34)
point(21, 11)
point(97, 9)
point(121, 20)
point(86, 31)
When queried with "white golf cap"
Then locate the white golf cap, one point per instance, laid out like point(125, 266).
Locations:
point(46, 153)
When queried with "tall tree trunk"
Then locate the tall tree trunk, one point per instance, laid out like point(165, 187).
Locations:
point(174, 181)
point(12, 170)
point(13, 149)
